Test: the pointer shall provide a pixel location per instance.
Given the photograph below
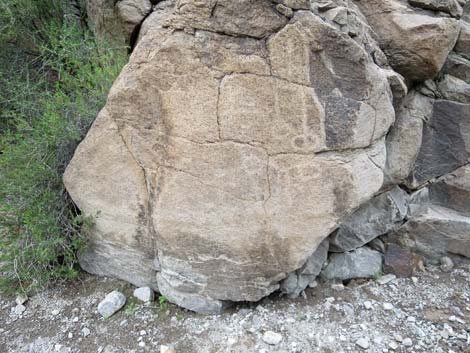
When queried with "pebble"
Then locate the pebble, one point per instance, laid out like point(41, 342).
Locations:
point(19, 309)
point(167, 349)
point(337, 287)
point(144, 294)
point(70, 335)
point(86, 332)
point(386, 279)
point(363, 342)
point(142, 344)
point(387, 306)
point(407, 342)
point(368, 305)
point(112, 303)
point(272, 338)
point(393, 345)
point(55, 312)
point(446, 264)
point(21, 299)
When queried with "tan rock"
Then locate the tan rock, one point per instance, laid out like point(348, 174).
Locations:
point(214, 170)
point(416, 44)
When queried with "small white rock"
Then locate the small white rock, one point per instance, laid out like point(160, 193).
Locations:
point(112, 303)
point(313, 284)
point(388, 306)
point(143, 332)
point(167, 349)
point(272, 338)
point(337, 286)
point(19, 309)
point(393, 345)
point(368, 305)
point(86, 332)
point(142, 344)
point(407, 342)
point(363, 342)
point(386, 279)
point(144, 294)
point(70, 335)
point(21, 299)
point(55, 312)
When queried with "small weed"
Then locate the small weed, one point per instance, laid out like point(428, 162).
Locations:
point(163, 302)
point(131, 309)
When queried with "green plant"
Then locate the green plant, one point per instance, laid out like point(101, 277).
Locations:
point(131, 308)
point(55, 77)
point(162, 302)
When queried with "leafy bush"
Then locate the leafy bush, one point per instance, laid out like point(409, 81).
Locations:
point(55, 77)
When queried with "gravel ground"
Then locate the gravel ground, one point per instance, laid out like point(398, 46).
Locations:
point(426, 313)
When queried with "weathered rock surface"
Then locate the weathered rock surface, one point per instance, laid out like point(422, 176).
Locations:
point(445, 142)
point(439, 220)
point(297, 281)
point(241, 134)
point(415, 42)
point(360, 263)
point(400, 261)
point(381, 215)
point(117, 20)
point(450, 6)
point(223, 156)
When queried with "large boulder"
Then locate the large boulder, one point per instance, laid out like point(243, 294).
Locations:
point(227, 152)
point(415, 41)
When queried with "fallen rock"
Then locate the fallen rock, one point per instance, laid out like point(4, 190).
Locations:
point(272, 338)
point(19, 309)
point(297, 281)
point(399, 261)
point(21, 299)
point(382, 214)
point(360, 263)
point(167, 349)
point(363, 342)
point(450, 6)
point(457, 66)
point(446, 264)
point(144, 294)
point(415, 43)
point(112, 303)
point(386, 279)
point(455, 89)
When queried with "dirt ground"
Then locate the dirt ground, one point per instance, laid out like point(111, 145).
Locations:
point(427, 313)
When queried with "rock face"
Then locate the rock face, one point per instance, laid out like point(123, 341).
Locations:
point(241, 134)
point(117, 20)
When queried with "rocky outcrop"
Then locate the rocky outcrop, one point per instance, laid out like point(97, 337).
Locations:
point(117, 20)
point(243, 137)
point(415, 42)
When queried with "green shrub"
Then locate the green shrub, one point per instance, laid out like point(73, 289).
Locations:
point(55, 77)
